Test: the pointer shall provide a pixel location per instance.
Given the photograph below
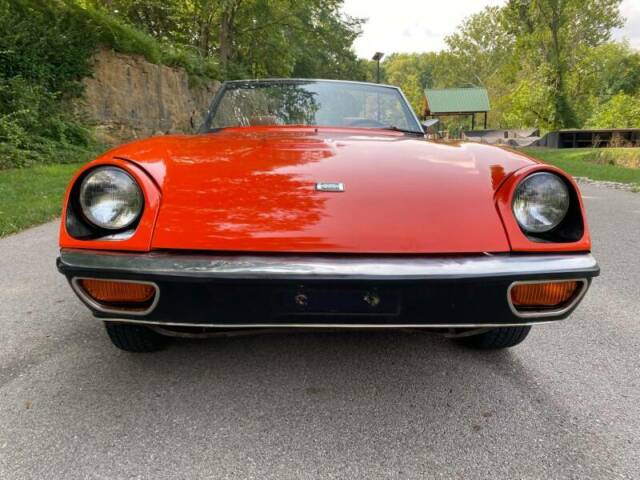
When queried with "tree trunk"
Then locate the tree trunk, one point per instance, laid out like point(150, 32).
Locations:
point(204, 35)
point(563, 113)
point(227, 30)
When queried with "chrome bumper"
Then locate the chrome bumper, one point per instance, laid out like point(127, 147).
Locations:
point(327, 267)
point(442, 292)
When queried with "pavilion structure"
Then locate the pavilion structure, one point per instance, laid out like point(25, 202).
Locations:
point(441, 102)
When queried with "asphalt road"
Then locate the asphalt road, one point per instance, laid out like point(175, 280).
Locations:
point(565, 404)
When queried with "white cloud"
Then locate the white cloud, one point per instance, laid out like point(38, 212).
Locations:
point(421, 25)
point(630, 10)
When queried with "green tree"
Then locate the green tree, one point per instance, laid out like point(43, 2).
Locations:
point(552, 36)
point(480, 53)
point(413, 72)
point(620, 111)
point(600, 73)
point(160, 18)
point(478, 50)
point(256, 38)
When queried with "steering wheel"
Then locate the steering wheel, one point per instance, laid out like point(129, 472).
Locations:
point(366, 122)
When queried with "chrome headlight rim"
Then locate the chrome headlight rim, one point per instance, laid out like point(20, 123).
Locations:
point(543, 230)
point(85, 209)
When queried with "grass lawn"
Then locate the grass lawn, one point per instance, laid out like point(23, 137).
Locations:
point(29, 196)
point(611, 164)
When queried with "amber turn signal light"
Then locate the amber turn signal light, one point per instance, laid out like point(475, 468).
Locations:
point(547, 294)
point(118, 292)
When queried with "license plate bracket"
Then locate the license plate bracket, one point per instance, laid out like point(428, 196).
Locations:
point(337, 301)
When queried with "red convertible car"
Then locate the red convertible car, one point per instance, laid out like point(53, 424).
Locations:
point(321, 204)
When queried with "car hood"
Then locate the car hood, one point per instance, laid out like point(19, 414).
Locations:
point(254, 189)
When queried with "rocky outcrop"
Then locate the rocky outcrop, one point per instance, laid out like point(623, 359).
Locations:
point(128, 97)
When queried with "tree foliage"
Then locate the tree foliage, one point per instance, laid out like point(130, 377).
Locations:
point(546, 63)
point(413, 72)
point(620, 111)
point(552, 36)
point(43, 53)
point(477, 51)
point(253, 38)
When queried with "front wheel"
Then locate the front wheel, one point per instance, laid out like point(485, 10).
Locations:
point(497, 338)
point(135, 338)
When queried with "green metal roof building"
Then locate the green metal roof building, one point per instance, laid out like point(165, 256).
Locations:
point(457, 101)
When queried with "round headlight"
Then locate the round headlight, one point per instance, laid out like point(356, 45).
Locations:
point(110, 198)
point(541, 202)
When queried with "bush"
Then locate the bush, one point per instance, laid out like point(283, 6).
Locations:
point(44, 52)
point(621, 157)
point(125, 38)
point(621, 111)
point(41, 151)
point(45, 43)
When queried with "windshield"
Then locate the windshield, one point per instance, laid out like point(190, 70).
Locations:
point(318, 103)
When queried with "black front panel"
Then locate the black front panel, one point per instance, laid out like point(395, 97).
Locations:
point(201, 300)
point(370, 302)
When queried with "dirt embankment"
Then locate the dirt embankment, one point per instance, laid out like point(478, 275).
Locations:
point(127, 98)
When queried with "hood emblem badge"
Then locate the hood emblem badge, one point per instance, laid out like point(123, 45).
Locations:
point(330, 187)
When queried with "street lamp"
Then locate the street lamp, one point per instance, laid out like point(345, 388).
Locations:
point(376, 58)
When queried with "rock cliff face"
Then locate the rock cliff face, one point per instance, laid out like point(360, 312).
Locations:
point(127, 98)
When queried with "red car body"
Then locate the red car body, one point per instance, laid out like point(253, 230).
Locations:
point(258, 226)
point(252, 189)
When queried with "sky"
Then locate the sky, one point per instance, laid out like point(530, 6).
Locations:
point(422, 25)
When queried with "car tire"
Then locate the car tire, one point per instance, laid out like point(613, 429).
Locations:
point(135, 338)
point(497, 338)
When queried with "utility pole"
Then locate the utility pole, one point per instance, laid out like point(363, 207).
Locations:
point(376, 58)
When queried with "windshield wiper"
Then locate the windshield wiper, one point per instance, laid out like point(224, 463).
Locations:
point(403, 130)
